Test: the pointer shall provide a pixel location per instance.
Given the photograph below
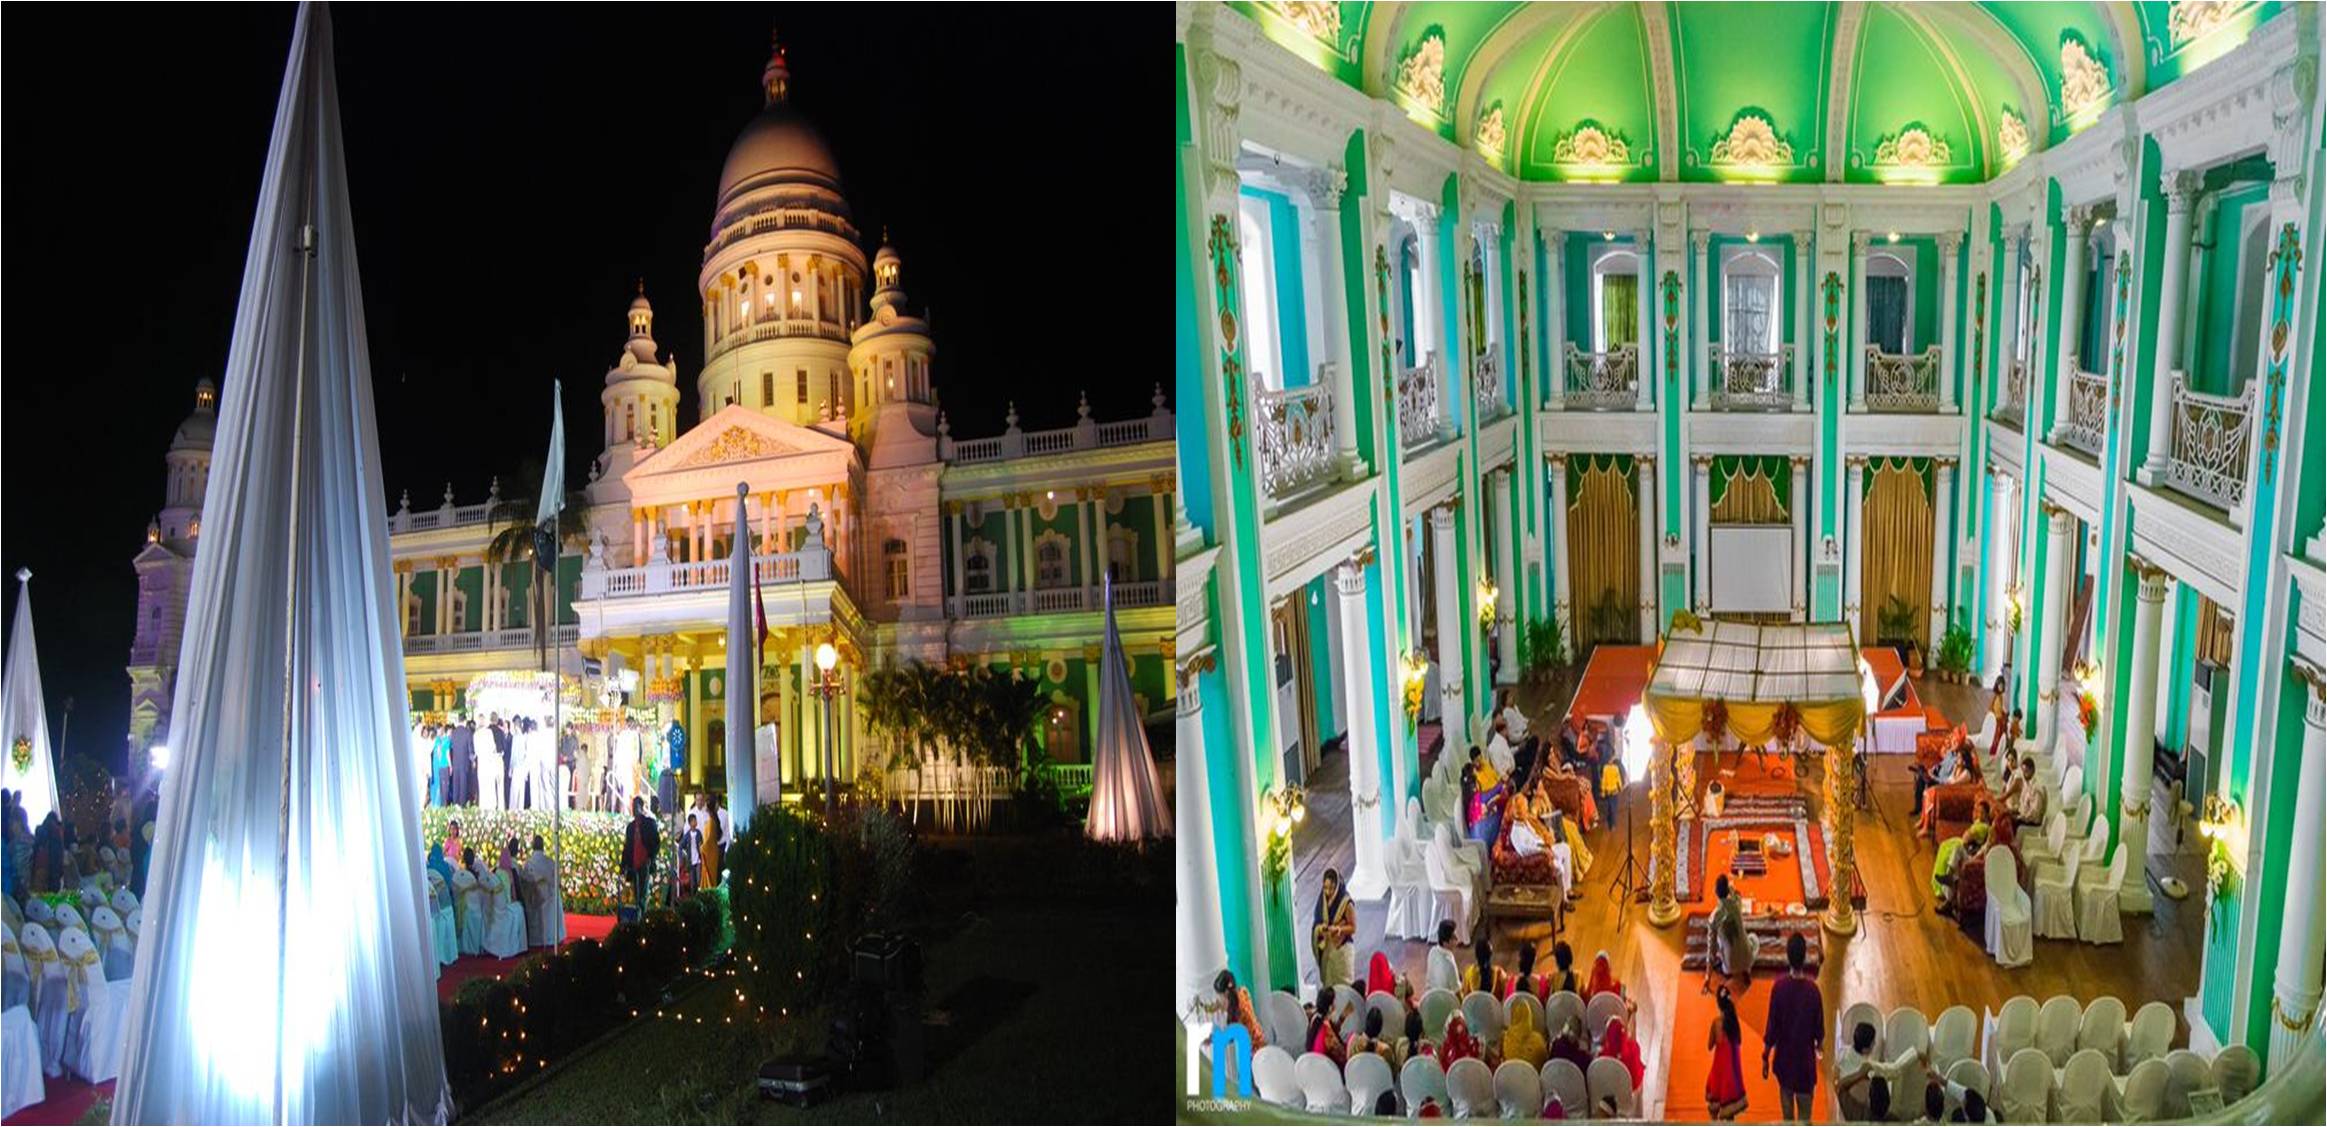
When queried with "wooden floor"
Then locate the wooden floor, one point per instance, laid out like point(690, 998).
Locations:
point(1903, 952)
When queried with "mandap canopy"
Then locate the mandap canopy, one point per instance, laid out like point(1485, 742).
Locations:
point(1754, 672)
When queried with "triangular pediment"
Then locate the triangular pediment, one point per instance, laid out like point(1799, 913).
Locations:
point(738, 434)
point(155, 554)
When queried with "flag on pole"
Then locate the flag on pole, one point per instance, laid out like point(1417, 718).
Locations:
point(553, 471)
point(31, 771)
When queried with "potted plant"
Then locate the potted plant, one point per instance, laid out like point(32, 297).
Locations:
point(1954, 654)
point(1895, 626)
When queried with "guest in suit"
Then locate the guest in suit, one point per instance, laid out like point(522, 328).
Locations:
point(502, 742)
point(641, 842)
point(463, 764)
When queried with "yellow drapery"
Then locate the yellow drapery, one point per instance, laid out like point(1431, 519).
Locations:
point(1679, 718)
point(1896, 547)
point(1749, 497)
point(1603, 527)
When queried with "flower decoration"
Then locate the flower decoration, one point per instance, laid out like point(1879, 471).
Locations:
point(589, 873)
point(1716, 721)
point(1591, 145)
point(20, 753)
point(2084, 80)
point(2011, 136)
point(1752, 142)
point(1422, 75)
point(2088, 713)
point(1913, 147)
point(1787, 724)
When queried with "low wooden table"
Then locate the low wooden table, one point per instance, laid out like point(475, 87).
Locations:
point(1527, 912)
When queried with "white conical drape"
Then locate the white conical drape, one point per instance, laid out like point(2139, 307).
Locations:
point(283, 972)
point(742, 677)
point(1126, 797)
point(24, 715)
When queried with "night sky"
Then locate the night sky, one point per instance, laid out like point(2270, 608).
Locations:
point(514, 170)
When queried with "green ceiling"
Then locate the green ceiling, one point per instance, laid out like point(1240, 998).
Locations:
point(1935, 93)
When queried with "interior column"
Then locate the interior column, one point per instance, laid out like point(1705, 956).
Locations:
point(1998, 612)
point(2060, 527)
point(1341, 378)
point(1553, 285)
point(1855, 359)
point(1699, 360)
point(1555, 551)
point(1702, 531)
point(1805, 300)
point(1841, 817)
point(1369, 879)
point(1506, 581)
point(1949, 244)
point(2140, 719)
point(2076, 234)
point(1644, 508)
point(2181, 189)
point(1798, 503)
point(2296, 982)
point(1453, 714)
point(1942, 549)
point(1853, 524)
point(1645, 305)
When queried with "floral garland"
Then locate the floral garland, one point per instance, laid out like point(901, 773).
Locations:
point(1787, 725)
point(590, 873)
point(1716, 721)
point(2088, 713)
point(2221, 878)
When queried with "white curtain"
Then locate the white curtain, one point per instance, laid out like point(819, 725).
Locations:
point(1126, 795)
point(24, 715)
point(284, 973)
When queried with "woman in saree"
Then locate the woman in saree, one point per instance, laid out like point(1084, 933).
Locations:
point(1331, 929)
point(1378, 977)
point(1523, 1042)
point(1458, 1043)
point(1618, 1044)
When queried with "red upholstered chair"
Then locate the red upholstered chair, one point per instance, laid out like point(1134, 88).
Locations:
point(1511, 868)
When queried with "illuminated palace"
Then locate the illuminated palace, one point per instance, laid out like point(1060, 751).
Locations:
point(1543, 347)
point(873, 526)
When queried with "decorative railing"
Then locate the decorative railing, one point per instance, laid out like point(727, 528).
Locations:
point(1086, 435)
point(1601, 381)
point(2013, 406)
point(1296, 438)
point(805, 566)
point(2088, 412)
point(2211, 436)
point(472, 641)
point(1418, 414)
point(406, 520)
point(1751, 381)
point(1487, 378)
point(1055, 600)
point(1903, 382)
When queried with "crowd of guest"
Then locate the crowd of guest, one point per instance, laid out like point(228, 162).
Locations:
point(1536, 798)
point(56, 856)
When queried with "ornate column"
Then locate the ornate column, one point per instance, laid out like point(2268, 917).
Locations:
point(1452, 712)
point(1506, 580)
point(1553, 283)
point(1805, 300)
point(1664, 909)
point(1644, 382)
point(1702, 532)
point(2140, 719)
point(1430, 311)
point(2181, 189)
point(2076, 235)
point(1853, 523)
point(1798, 505)
point(1326, 186)
point(1087, 578)
point(2009, 327)
point(1644, 507)
point(1855, 359)
point(768, 523)
point(2060, 527)
point(1026, 516)
point(953, 548)
point(1999, 594)
point(1201, 946)
point(403, 569)
point(1698, 363)
point(1555, 551)
point(1942, 548)
point(1164, 505)
point(1840, 817)
point(1950, 243)
point(2295, 984)
point(1369, 879)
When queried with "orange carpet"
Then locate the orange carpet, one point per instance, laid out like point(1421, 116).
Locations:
point(1695, 1013)
point(1612, 682)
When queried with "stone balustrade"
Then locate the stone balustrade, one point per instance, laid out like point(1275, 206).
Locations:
point(2212, 435)
point(1751, 381)
point(1902, 383)
point(2086, 418)
point(1296, 439)
point(1601, 381)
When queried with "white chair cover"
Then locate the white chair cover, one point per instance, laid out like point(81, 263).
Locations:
point(1287, 1026)
point(1468, 857)
point(50, 1008)
point(444, 933)
point(40, 912)
point(124, 902)
point(1972, 1075)
point(1483, 1014)
point(1437, 1006)
point(1472, 1088)
point(1320, 1081)
point(134, 923)
point(1367, 1077)
point(113, 943)
point(21, 1084)
point(2102, 1030)
point(1563, 1079)
point(472, 911)
point(2056, 1028)
point(2056, 909)
point(1518, 1090)
point(1563, 1008)
point(2143, 1100)
point(2037, 849)
point(504, 918)
point(2010, 938)
point(2012, 1029)
point(1445, 876)
point(15, 982)
point(97, 1030)
point(68, 917)
point(1907, 1030)
point(2151, 1035)
point(1443, 972)
point(1392, 1010)
point(1272, 1077)
point(1955, 1037)
point(2085, 1095)
point(1608, 1077)
point(1604, 1005)
point(1414, 906)
point(1853, 1015)
point(2098, 895)
point(2236, 1071)
point(2185, 1072)
point(1422, 1079)
point(1351, 1006)
point(2027, 1094)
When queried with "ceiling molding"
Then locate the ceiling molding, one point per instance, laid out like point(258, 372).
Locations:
point(2035, 103)
point(2132, 56)
point(1379, 50)
point(1656, 23)
point(1547, 70)
point(1500, 42)
point(1982, 122)
point(1841, 61)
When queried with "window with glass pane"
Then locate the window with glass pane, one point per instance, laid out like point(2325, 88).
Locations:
point(1746, 325)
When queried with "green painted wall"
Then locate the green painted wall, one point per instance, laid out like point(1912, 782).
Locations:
point(1288, 297)
point(2216, 291)
point(1599, 77)
point(1790, 45)
point(1902, 77)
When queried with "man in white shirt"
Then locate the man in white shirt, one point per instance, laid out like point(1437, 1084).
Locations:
point(1855, 1069)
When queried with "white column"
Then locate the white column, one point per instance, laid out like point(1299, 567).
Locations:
point(2295, 984)
point(1805, 301)
point(1089, 578)
point(1697, 363)
point(1327, 189)
point(1999, 624)
point(403, 594)
point(1701, 534)
point(1202, 950)
point(2076, 234)
point(1942, 548)
point(1553, 286)
point(1949, 244)
point(2181, 188)
point(1644, 500)
point(1506, 580)
point(953, 547)
point(1798, 504)
point(1431, 308)
point(1452, 712)
point(2060, 527)
point(1645, 383)
point(1369, 879)
point(2140, 718)
point(1852, 519)
point(2008, 325)
point(1855, 359)
point(1555, 551)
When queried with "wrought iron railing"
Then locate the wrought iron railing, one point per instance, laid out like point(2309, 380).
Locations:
point(2012, 406)
point(2211, 436)
point(1418, 413)
point(1296, 438)
point(2087, 417)
point(808, 565)
point(1751, 381)
point(1053, 600)
point(1487, 376)
point(1902, 382)
point(1601, 381)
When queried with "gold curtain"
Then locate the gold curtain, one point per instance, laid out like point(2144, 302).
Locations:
point(1830, 722)
point(1896, 548)
point(1749, 497)
point(1603, 528)
point(2215, 633)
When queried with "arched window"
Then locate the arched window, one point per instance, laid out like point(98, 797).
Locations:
point(1050, 561)
point(1261, 355)
point(1749, 300)
point(1122, 555)
point(1890, 298)
point(1615, 296)
point(977, 568)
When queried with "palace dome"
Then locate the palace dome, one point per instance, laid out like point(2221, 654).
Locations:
point(778, 147)
point(200, 427)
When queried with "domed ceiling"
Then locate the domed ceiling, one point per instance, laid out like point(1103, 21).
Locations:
point(1757, 92)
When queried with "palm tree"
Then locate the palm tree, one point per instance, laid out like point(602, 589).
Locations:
point(514, 537)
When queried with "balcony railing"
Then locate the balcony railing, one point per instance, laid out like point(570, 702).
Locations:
point(1296, 438)
point(1418, 413)
point(1601, 381)
point(1487, 378)
point(473, 641)
point(1751, 381)
point(2211, 435)
point(2013, 406)
point(1086, 435)
point(806, 566)
point(2087, 417)
point(1060, 600)
point(1902, 382)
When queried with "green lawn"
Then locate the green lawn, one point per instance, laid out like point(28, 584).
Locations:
point(1039, 1009)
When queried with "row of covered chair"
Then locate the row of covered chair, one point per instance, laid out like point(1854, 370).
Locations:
point(1468, 1090)
point(1286, 1023)
point(2085, 1090)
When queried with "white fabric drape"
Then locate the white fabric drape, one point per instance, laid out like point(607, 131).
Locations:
point(1126, 795)
point(24, 716)
point(284, 976)
point(742, 674)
